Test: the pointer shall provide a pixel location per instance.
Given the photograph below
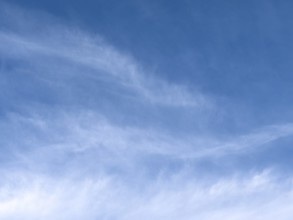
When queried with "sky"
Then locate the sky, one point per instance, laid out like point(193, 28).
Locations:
point(136, 109)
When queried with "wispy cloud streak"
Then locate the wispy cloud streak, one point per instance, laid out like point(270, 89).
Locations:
point(71, 47)
point(258, 196)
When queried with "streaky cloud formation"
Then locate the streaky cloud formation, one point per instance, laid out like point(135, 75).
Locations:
point(88, 132)
point(82, 50)
point(256, 196)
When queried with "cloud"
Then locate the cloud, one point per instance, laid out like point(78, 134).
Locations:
point(256, 196)
point(88, 137)
point(51, 49)
point(65, 155)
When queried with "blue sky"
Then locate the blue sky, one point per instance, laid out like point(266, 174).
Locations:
point(146, 110)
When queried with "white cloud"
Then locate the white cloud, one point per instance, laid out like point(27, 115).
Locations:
point(89, 133)
point(53, 49)
point(255, 196)
point(80, 164)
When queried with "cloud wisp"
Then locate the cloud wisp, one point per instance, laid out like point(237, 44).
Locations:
point(257, 196)
point(52, 47)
